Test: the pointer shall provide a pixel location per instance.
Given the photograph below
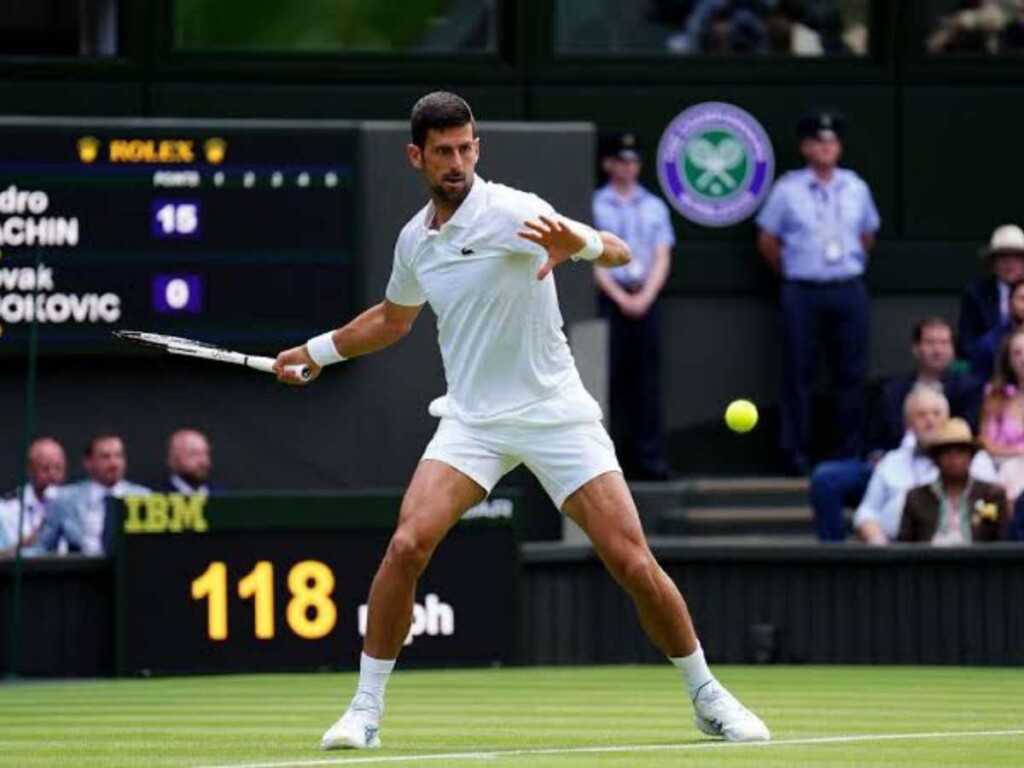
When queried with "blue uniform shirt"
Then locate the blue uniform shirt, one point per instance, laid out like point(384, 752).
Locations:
point(642, 222)
point(820, 225)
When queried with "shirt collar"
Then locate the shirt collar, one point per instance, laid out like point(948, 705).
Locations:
point(838, 178)
point(183, 486)
point(940, 492)
point(608, 194)
point(29, 496)
point(467, 210)
point(99, 491)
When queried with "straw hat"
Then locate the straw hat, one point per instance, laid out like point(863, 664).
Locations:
point(955, 432)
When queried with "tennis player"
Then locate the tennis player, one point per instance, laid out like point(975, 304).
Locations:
point(482, 254)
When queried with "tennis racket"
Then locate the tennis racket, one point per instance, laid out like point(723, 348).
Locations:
point(176, 345)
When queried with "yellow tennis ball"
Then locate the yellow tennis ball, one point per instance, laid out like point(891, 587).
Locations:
point(741, 416)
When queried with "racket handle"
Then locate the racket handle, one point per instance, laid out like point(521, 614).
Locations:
point(266, 364)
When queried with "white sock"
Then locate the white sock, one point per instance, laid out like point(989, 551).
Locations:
point(695, 671)
point(373, 677)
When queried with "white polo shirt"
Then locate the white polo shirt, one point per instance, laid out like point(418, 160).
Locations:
point(506, 359)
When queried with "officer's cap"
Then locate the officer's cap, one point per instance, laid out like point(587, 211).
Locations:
point(822, 124)
point(621, 145)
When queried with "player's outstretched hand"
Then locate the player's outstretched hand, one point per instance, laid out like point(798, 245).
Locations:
point(295, 356)
point(556, 238)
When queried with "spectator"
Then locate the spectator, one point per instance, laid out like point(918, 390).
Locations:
point(877, 520)
point(791, 27)
point(985, 303)
point(188, 463)
point(816, 230)
point(836, 485)
point(954, 508)
point(787, 34)
point(721, 26)
point(977, 27)
point(628, 297)
point(46, 470)
point(933, 353)
point(1002, 415)
point(77, 514)
point(986, 348)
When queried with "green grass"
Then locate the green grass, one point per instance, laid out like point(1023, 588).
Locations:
point(279, 718)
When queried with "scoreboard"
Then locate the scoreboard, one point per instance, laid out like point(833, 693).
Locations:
point(234, 232)
point(239, 583)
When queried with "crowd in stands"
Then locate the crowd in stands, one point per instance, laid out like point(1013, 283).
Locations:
point(989, 27)
point(52, 516)
point(779, 27)
point(944, 460)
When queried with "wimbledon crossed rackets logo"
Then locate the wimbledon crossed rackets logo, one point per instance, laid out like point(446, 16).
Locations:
point(715, 164)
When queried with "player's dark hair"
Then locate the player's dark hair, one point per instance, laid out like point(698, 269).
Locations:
point(439, 110)
point(107, 434)
point(929, 322)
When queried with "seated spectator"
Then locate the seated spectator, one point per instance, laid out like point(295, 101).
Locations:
point(721, 26)
point(836, 485)
point(985, 303)
point(1002, 415)
point(977, 27)
point(787, 34)
point(933, 352)
point(986, 348)
point(77, 513)
point(877, 520)
point(188, 463)
point(954, 508)
point(46, 471)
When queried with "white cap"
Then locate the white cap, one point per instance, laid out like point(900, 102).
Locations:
point(1008, 237)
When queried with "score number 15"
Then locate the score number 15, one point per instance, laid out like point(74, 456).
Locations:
point(311, 613)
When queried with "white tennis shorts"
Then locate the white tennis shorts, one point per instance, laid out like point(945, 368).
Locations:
point(563, 457)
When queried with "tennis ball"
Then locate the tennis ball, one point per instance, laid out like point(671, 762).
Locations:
point(741, 416)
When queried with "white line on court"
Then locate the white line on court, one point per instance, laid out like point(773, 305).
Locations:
point(611, 749)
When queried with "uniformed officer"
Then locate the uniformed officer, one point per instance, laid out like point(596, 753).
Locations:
point(815, 231)
point(628, 297)
point(46, 471)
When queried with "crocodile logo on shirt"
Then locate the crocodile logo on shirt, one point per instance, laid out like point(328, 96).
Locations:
point(715, 164)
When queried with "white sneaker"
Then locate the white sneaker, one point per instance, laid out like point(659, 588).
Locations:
point(718, 713)
point(358, 728)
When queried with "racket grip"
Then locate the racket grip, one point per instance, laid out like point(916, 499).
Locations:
point(266, 364)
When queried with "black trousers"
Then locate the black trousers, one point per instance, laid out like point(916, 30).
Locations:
point(635, 389)
point(834, 319)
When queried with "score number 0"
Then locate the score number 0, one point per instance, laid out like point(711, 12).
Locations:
point(310, 583)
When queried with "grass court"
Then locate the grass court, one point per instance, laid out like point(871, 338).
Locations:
point(557, 717)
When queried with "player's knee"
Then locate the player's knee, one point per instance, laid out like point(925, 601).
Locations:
point(635, 569)
point(409, 551)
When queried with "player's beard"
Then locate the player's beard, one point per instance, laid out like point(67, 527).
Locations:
point(450, 196)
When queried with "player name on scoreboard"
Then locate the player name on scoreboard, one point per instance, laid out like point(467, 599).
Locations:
point(181, 230)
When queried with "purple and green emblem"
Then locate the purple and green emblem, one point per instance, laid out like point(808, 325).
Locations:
point(715, 164)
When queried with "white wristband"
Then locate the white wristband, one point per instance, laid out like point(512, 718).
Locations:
point(322, 350)
point(594, 246)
